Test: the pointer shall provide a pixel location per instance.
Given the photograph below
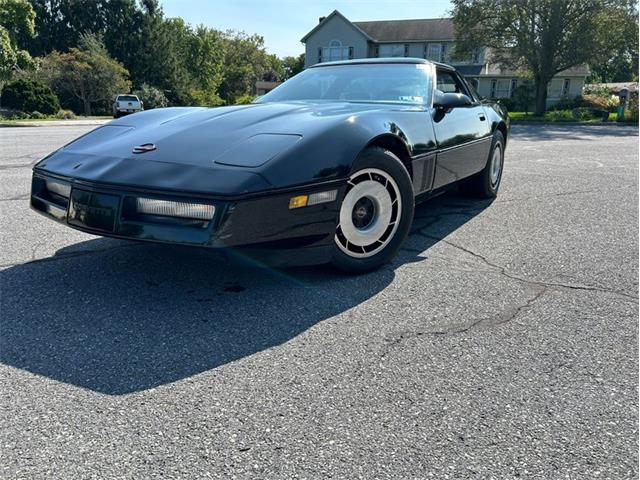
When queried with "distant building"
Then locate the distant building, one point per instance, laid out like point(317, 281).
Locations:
point(613, 87)
point(263, 87)
point(337, 38)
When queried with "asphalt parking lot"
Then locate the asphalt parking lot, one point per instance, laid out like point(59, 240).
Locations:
point(501, 343)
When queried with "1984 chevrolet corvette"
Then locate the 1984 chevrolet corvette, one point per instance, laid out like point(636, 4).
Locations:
point(325, 168)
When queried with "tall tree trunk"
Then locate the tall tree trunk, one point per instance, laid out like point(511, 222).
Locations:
point(87, 107)
point(541, 95)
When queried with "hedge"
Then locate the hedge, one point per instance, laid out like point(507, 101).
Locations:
point(28, 96)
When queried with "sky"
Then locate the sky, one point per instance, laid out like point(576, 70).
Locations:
point(283, 23)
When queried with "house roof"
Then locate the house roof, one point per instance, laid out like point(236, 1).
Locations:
point(396, 30)
point(329, 17)
point(408, 30)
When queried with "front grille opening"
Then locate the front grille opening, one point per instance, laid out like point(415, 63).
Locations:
point(52, 190)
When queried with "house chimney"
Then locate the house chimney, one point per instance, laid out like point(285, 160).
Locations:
point(321, 19)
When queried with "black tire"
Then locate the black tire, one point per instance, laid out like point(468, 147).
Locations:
point(116, 115)
point(483, 184)
point(380, 170)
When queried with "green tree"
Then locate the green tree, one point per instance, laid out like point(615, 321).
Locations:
point(275, 69)
point(89, 75)
point(544, 37)
point(162, 55)
point(245, 63)
point(204, 61)
point(292, 66)
point(61, 23)
point(17, 21)
point(151, 97)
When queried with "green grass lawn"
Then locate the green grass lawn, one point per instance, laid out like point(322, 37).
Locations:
point(17, 121)
point(554, 116)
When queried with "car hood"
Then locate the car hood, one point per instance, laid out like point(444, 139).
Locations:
point(209, 140)
point(198, 136)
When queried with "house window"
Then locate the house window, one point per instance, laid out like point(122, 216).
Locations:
point(566, 85)
point(500, 87)
point(554, 89)
point(392, 50)
point(334, 52)
point(446, 52)
point(433, 52)
point(514, 85)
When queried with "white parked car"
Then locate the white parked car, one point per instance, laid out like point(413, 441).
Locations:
point(125, 104)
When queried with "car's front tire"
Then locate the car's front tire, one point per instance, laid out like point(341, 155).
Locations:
point(376, 212)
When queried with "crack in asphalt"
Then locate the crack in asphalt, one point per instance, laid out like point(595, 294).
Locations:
point(504, 317)
point(23, 196)
point(538, 287)
point(547, 284)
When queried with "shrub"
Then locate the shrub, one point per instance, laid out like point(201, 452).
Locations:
point(37, 115)
point(14, 115)
point(631, 113)
point(567, 103)
point(151, 97)
point(28, 96)
point(244, 99)
point(65, 115)
point(587, 113)
point(559, 115)
point(523, 98)
point(507, 103)
point(603, 101)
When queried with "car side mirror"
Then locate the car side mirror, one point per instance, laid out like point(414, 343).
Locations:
point(447, 101)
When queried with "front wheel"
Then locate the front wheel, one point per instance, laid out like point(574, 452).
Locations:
point(375, 214)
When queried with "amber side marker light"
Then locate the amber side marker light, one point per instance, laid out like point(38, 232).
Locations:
point(312, 199)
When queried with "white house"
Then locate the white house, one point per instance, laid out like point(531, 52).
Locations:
point(337, 38)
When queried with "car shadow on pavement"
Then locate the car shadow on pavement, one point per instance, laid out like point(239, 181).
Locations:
point(118, 317)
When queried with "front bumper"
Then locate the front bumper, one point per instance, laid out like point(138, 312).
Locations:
point(260, 225)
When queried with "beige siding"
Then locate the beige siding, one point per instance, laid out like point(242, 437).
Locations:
point(335, 29)
point(416, 50)
point(554, 91)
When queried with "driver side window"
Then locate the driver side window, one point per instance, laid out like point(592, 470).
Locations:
point(447, 82)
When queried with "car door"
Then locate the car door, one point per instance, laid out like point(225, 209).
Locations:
point(463, 134)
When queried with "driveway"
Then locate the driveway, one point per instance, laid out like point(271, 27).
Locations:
point(501, 343)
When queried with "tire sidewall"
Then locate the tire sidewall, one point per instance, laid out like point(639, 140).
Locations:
point(492, 190)
point(383, 160)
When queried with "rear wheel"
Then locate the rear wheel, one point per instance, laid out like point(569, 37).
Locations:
point(486, 183)
point(375, 214)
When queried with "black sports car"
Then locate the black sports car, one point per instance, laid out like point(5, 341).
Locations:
point(325, 168)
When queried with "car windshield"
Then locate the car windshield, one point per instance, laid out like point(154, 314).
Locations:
point(127, 98)
point(391, 82)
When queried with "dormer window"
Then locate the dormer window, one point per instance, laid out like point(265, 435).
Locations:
point(334, 52)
